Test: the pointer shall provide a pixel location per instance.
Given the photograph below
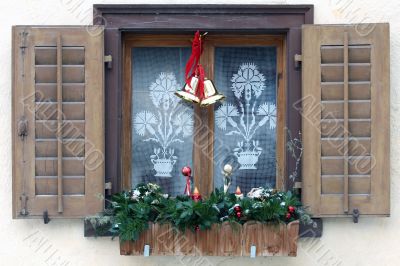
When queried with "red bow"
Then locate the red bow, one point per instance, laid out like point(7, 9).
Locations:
point(193, 67)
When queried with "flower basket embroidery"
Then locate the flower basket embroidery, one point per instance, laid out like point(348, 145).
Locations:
point(248, 117)
point(168, 125)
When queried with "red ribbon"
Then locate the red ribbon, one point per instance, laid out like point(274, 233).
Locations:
point(187, 187)
point(193, 67)
point(201, 76)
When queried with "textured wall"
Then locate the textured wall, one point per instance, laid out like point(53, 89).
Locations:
point(374, 241)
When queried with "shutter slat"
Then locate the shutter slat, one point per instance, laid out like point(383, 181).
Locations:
point(49, 147)
point(333, 184)
point(72, 92)
point(345, 120)
point(334, 72)
point(49, 185)
point(58, 87)
point(358, 90)
point(335, 53)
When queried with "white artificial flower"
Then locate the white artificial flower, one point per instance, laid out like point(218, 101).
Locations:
point(135, 194)
point(165, 196)
point(257, 194)
point(147, 193)
point(283, 204)
point(155, 202)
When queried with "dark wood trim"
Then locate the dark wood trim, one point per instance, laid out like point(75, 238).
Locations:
point(203, 9)
point(250, 19)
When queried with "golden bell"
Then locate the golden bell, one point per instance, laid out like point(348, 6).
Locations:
point(211, 95)
point(188, 93)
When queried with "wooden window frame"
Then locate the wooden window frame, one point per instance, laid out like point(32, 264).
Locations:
point(155, 19)
point(203, 148)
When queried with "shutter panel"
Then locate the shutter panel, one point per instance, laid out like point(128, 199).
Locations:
point(58, 121)
point(345, 113)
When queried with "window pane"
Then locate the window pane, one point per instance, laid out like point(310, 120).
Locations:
point(162, 125)
point(245, 123)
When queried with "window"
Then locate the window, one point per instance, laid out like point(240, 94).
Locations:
point(133, 20)
point(163, 133)
point(160, 127)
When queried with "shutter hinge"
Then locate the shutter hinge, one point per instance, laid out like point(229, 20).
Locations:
point(297, 185)
point(297, 60)
point(22, 44)
point(108, 187)
point(22, 129)
point(24, 209)
point(108, 61)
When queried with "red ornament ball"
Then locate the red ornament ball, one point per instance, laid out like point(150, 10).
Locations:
point(239, 214)
point(186, 171)
point(288, 215)
point(237, 208)
point(291, 209)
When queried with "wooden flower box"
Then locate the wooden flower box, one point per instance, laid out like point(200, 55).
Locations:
point(221, 240)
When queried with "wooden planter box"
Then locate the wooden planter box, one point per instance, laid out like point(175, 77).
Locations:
point(220, 240)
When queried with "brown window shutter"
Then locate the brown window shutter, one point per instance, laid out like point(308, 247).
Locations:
point(58, 121)
point(345, 113)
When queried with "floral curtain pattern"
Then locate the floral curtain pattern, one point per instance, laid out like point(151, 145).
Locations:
point(162, 125)
point(245, 132)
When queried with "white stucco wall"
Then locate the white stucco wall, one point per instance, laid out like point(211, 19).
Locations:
point(374, 241)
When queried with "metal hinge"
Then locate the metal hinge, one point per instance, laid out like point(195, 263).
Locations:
point(297, 60)
point(22, 129)
point(297, 185)
point(108, 61)
point(108, 187)
point(24, 209)
point(22, 44)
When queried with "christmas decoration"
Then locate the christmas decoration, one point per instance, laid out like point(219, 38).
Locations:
point(238, 193)
point(187, 172)
point(198, 89)
point(227, 172)
point(237, 208)
point(196, 195)
point(211, 95)
point(132, 211)
point(291, 209)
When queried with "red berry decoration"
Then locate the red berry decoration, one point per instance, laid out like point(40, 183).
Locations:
point(288, 215)
point(291, 209)
point(186, 171)
point(197, 228)
point(238, 214)
point(237, 208)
